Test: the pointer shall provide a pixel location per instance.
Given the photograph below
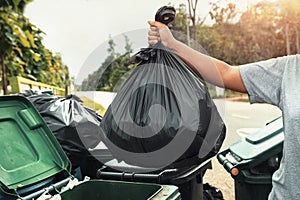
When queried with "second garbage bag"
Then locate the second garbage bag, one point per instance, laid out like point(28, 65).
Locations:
point(162, 114)
point(77, 128)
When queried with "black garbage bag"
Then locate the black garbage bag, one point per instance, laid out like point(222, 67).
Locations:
point(28, 93)
point(76, 127)
point(162, 114)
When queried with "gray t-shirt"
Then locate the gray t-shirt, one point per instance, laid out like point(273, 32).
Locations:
point(277, 81)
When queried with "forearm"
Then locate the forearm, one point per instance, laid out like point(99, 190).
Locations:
point(212, 70)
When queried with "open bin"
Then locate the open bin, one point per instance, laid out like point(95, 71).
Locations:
point(253, 160)
point(116, 190)
point(188, 179)
point(32, 162)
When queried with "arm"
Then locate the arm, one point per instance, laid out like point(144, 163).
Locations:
point(211, 69)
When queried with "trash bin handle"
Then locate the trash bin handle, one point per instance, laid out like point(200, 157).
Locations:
point(134, 176)
point(165, 15)
point(128, 176)
point(225, 162)
point(53, 187)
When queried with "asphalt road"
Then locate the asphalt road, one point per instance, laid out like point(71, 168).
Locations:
point(241, 115)
point(238, 116)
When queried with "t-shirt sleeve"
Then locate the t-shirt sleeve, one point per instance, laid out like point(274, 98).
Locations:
point(263, 80)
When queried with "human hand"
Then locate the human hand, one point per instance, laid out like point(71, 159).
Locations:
point(160, 32)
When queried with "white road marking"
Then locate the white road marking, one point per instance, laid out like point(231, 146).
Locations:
point(240, 116)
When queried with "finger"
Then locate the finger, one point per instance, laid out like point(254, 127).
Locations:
point(153, 28)
point(157, 24)
point(153, 38)
point(151, 42)
point(153, 33)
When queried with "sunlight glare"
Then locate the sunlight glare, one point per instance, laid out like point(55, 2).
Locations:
point(241, 4)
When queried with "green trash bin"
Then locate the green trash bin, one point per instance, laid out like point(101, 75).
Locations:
point(252, 161)
point(115, 190)
point(32, 162)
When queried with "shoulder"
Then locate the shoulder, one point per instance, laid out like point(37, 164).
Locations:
point(274, 64)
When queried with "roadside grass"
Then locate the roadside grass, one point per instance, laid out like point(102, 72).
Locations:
point(93, 105)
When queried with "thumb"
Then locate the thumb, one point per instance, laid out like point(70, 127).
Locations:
point(156, 24)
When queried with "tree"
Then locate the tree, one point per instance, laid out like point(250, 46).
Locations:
point(290, 14)
point(12, 37)
point(192, 6)
point(112, 70)
point(17, 5)
point(181, 25)
point(243, 37)
point(106, 69)
point(22, 52)
point(222, 14)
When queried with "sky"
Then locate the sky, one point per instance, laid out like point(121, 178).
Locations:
point(79, 29)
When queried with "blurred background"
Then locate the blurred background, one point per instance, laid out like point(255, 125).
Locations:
point(85, 47)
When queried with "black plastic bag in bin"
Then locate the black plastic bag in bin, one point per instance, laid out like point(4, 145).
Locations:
point(162, 114)
point(77, 128)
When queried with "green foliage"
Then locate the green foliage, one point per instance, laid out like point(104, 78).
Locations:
point(22, 48)
point(93, 105)
point(181, 19)
point(17, 5)
point(112, 73)
point(261, 32)
point(239, 38)
point(235, 37)
point(222, 14)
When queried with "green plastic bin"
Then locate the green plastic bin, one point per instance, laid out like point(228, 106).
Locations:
point(30, 153)
point(32, 162)
point(253, 160)
point(116, 190)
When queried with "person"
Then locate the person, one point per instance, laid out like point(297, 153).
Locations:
point(275, 81)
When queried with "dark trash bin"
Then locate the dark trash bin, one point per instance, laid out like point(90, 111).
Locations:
point(252, 161)
point(100, 164)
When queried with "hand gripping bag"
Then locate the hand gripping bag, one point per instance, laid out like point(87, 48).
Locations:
point(162, 114)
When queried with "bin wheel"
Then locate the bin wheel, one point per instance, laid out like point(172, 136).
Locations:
point(211, 193)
